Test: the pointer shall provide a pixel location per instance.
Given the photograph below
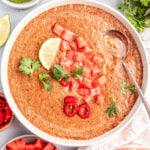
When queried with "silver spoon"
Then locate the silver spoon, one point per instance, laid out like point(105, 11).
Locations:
point(124, 39)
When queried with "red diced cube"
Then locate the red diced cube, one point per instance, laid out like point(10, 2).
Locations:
point(57, 29)
point(81, 42)
point(70, 54)
point(38, 145)
point(12, 146)
point(64, 46)
point(83, 91)
point(73, 45)
point(65, 62)
point(87, 82)
point(95, 91)
point(49, 146)
point(87, 73)
point(97, 59)
point(100, 99)
point(73, 86)
point(100, 81)
point(78, 57)
point(20, 144)
point(88, 99)
point(95, 72)
point(88, 63)
point(68, 35)
point(29, 147)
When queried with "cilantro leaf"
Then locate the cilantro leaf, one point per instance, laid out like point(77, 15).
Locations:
point(112, 110)
point(123, 87)
point(27, 66)
point(77, 72)
point(131, 88)
point(59, 73)
point(43, 78)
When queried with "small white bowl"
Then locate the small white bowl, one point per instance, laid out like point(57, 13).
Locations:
point(21, 5)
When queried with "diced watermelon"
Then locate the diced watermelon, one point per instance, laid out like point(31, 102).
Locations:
point(39, 144)
point(100, 99)
point(88, 99)
point(73, 45)
point(95, 72)
point(64, 46)
point(56, 148)
point(88, 63)
point(81, 42)
point(73, 86)
point(70, 54)
point(78, 57)
point(20, 144)
point(29, 147)
point(97, 59)
point(87, 73)
point(12, 146)
point(83, 91)
point(49, 146)
point(75, 65)
point(8, 114)
point(87, 82)
point(65, 62)
point(68, 35)
point(57, 29)
point(100, 81)
point(95, 91)
point(1, 118)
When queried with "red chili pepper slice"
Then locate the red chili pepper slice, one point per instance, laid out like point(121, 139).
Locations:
point(2, 105)
point(8, 113)
point(71, 109)
point(64, 83)
point(69, 99)
point(1, 118)
point(84, 111)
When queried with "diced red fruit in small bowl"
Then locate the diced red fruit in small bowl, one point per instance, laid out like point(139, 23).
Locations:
point(87, 82)
point(100, 81)
point(64, 83)
point(1, 118)
point(80, 42)
point(83, 91)
point(65, 62)
point(12, 146)
point(20, 144)
point(64, 46)
point(29, 147)
point(39, 144)
point(100, 99)
point(57, 29)
point(73, 86)
point(73, 45)
point(84, 111)
point(68, 35)
point(2, 104)
point(78, 57)
point(69, 99)
point(98, 59)
point(95, 91)
point(70, 54)
point(88, 99)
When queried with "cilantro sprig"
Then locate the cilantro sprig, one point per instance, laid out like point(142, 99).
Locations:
point(77, 72)
point(28, 67)
point(132, 88)
point(43, 77)
point(112, 110)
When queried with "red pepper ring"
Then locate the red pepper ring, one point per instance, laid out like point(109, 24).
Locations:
point(2, 105)
point(71, 109)
point(84, 113)
point(69, 99)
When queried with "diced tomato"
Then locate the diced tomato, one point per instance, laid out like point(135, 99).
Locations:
point(75, 65)
point(100, 81)
point(73, 45)
point(38, 145)
point(57, 29)
point(73, 86)
point(81, 42)
point(87, 49)
point(29, 147)
point(49, 146)
point(68, 35)
point(87, 73)
point(97, 59)
point(1, 118)
point(12, 146)
point(70, 54)
point(88, 63)
point(83, 91)
point(64, 46)
point(88, 99)
point(95, 72)
point(78, 57)
point(95, 91)
point(100, 99)
point(20, 144)
point(65, 62)
point(87, 82)
point(64, 83)
point(8, 114)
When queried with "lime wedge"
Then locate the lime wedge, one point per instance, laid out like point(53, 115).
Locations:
point(48, 51)
point(4, 29)
point(19, 1)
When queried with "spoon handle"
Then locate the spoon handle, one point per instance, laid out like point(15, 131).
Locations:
point(145, 102)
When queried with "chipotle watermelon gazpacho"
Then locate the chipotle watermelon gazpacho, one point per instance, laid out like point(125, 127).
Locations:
point(69, 77)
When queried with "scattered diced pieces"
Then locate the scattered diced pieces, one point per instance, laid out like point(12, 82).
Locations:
point(88, 99)
point(87, 73)
point(95, 91)
point(49, 146)
point(100, 99)
point(65, 62)
point(87, 49)
point(64, 46)
point(78, 57)
point(81, 42)
point(87, 82)
point(88, 63)
point(12, 146)
point(75, 65)
point(100, 81)
point(95, 72)
point(20, 144)
point(38, 145)
point(73, 45)
point(70, 54)
point(97, 59)
point(57, 29)
point(68, 35)
point(8, 114)
point(83, 91)
point(29, 147)
point(73, 86)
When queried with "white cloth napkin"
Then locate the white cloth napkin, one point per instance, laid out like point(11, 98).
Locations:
point(138, 130)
